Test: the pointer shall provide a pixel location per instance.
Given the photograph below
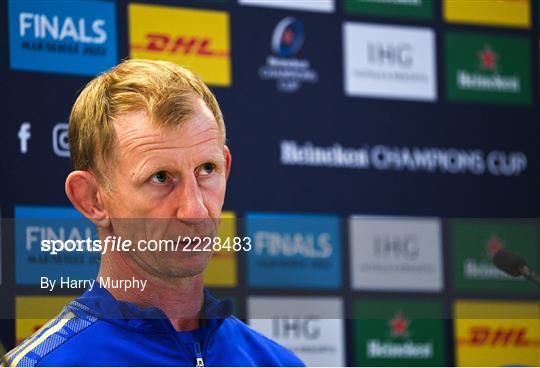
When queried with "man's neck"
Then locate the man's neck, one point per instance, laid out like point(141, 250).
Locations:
point(180, 299)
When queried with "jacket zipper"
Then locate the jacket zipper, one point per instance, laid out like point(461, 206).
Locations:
point(209, 337)
point(198, 355)
point(169, 327)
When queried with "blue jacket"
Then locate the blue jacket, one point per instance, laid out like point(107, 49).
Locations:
point(98, 330)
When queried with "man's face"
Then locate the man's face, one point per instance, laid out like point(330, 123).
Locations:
point(166, 183)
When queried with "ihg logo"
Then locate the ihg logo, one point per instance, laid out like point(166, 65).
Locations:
point(296, 328)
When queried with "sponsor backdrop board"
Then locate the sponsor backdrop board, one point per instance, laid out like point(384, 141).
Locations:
point(311, 327)
point(221, 271)
point(294, 251)
point(398, 333)
point(408, 112)
point(35, 224)
point(473, 245)
point(62, 37)
point(506, 13)
point(396, 254)
point(497, 333)
point(201, 45)
point(486, 68)
point(389, 62)
point(32, 312)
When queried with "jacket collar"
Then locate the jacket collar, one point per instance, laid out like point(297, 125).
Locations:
point(99, 303)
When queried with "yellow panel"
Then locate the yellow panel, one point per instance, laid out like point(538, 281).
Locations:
point(511, 13)
point(32, 312)
point(221, 270)
point(195, 39)
point(497, 333)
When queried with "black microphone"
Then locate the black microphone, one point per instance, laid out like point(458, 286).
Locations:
point(514, 265)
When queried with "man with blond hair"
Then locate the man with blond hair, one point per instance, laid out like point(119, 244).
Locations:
point(147, 141)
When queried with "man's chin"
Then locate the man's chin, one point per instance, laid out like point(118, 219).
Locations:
point(188, 265)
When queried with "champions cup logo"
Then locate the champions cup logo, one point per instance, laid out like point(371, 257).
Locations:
point(288, 71)
point(288, 37)
point(196, 39)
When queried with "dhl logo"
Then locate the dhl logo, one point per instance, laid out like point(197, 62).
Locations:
point(196, 39)
point(184, 45)
point(498, 336)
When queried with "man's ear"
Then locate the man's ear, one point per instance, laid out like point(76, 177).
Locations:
point(85, 193)
point(228, 159)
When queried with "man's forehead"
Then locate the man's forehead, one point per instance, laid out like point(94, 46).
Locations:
point(136, 129)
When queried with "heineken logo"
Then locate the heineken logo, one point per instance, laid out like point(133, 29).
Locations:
point(487, 79)
point(493, 245)
point(479, 82)
point(484, 269)
point(399, 325)
point(475, 242)
point(488, 68)
point(398, 332)
point(378, 349)
point(488, 59)
point(397, 348)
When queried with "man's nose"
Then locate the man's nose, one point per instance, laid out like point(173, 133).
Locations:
point(189, 201)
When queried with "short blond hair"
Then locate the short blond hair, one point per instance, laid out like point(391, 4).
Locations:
point(163, 90)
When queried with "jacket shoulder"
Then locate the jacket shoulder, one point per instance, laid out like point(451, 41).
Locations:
point(49, 338)
point(268, 349)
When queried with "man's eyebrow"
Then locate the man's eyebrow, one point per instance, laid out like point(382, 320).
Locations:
point(152, 163)
point(216, 156)
point(147, 166)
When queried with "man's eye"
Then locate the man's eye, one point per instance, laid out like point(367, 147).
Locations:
point(160, 177)
point(207, 168)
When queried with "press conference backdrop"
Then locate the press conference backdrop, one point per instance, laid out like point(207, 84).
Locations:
point(382, 151)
